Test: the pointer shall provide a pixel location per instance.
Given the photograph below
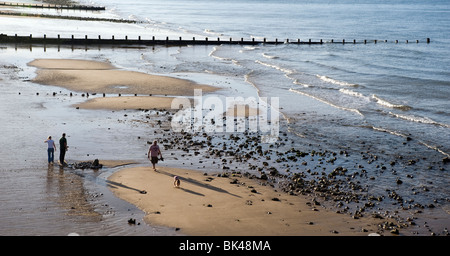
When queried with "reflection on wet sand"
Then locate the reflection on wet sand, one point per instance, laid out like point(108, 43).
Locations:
point(67, 190)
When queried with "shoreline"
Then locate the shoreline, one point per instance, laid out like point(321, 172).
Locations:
point(90, 76)
point(214, 203)
point(200, 150)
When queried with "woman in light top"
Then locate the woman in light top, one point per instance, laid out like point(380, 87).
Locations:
point(51, 149)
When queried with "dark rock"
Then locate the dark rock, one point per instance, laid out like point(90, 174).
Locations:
point(446, 160)
point(395, 231)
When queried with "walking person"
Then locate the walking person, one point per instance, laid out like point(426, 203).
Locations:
point(62, 149)
point(153, 153)
point(50, 149)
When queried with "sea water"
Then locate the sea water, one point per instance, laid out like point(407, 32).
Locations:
point(389, 98)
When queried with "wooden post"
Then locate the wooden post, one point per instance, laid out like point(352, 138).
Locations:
point(343, 41)
point(310, 41)
point(428, 40)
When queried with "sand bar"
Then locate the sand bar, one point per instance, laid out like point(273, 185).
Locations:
point(99, 77)
point(128, 102)
point(211, 205)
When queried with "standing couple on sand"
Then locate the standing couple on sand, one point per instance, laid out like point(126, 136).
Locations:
point(52, 147)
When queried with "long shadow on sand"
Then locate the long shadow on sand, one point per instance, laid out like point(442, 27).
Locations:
point(114, 184)
point(198, 183)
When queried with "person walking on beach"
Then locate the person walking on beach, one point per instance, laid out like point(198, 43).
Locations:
point(62, 149)
point(50, 149)
point(153, 153)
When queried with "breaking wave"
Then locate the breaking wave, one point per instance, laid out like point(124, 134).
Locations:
point(334, 81)
point(386, 103)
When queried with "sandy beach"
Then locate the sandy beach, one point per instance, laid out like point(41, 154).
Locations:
point(230, 182)
point(212, 204)
point(208, 202)
point(98, 77)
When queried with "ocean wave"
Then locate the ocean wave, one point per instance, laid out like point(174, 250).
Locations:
point(388, 131)
point(352, 93)
point(354, 110)
point(334, 81)
point(213, 54)
point(386, 103)
point(265, 55)
point(418, 119)
point(297, 82)
point(435, 148)
point(396, 133)
point(212, 32)
point(285, 70)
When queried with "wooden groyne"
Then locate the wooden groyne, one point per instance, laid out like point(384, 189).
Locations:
point(6, 39)
point(54, 6)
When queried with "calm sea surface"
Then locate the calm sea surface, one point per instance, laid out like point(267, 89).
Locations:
point(386, 99)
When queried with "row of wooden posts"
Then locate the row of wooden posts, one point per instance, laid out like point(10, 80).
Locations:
point(54, 6)
point(180, 41)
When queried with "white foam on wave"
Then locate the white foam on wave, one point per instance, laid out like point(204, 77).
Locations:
point(352, 93)
point(266, 55)
point(212, 32)
point(419, 119)
point(388, 104)
point(354, 110)
point(334, 81)
point(297, 82)
point(285, 70)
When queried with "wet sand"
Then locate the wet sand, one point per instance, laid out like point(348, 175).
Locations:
point(210, 204)
point(232, 205)
point(97, 77)
point(127, 102)
point(204, 205)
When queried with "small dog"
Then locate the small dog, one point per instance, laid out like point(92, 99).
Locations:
point(176, 182)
